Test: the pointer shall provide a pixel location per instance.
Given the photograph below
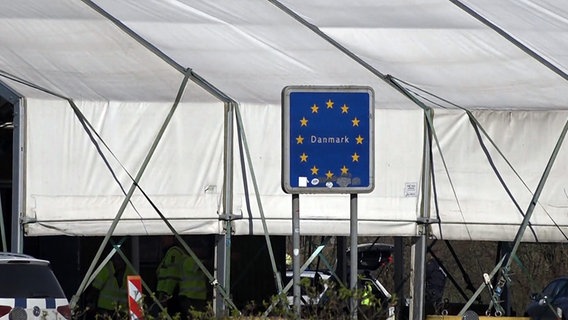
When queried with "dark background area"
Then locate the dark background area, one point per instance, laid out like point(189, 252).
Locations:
point(251, 271)
point(466, 261)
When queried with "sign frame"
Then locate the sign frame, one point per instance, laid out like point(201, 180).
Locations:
point(334, 134)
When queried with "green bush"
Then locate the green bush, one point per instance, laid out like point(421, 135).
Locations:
point(333, 305)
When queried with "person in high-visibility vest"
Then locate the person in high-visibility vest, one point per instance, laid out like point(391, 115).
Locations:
point(193, 288)
point(169, 274)
point(110, 288)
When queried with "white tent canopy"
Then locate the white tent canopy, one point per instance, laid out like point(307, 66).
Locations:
point(123, 65)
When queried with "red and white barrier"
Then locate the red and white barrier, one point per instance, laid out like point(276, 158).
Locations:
point(135, 297)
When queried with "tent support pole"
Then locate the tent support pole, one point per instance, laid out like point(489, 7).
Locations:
point(17, 228)
point(224, 240)
point(17, 192)
point(418, 251)
point(419, 261)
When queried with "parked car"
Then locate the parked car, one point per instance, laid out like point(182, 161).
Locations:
point(30, 290)
point(547, 304)
point(372, 256)
point(318, 281)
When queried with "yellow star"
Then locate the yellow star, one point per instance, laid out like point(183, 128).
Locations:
point(329, 174)
point(329, 104)
point(359, 139)
point(344, 170)
point(304, 122)
point(344, 109)
point(355, 157)
point(299, 140)
point(315, 108)
point(355, 122)
point(304, 157)
point(314, 170)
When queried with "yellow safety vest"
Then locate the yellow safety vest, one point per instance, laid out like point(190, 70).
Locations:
point(367, 294)
point(193, 282)
point(110, 294)
point(170, 270)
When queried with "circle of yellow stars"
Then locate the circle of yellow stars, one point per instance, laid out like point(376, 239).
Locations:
point(358, 140)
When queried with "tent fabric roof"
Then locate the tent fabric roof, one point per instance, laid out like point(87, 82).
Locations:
point(432, 44)
point(116, 59)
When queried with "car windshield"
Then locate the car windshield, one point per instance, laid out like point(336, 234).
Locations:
point(28, 281)
point(556, 287)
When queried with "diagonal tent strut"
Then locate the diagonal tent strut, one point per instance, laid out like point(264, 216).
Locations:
point(504, 274)
point(511, 39)
point(224, 244)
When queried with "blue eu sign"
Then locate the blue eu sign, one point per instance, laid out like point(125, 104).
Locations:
point(327, 139)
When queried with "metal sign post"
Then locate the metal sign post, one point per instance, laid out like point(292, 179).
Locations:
point(327, 147)
point(296, 253)
point(354, 252)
